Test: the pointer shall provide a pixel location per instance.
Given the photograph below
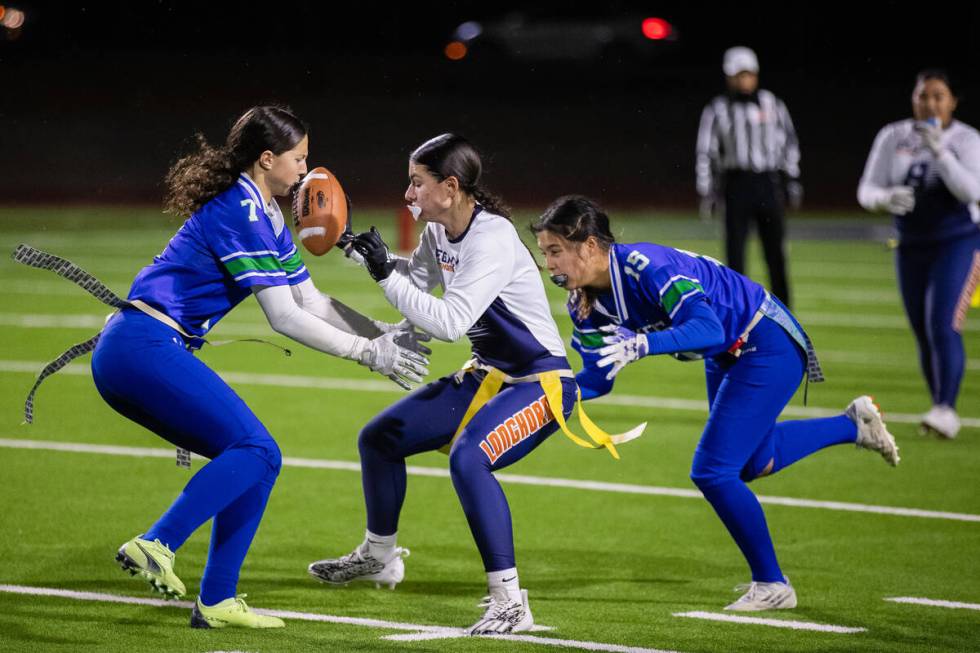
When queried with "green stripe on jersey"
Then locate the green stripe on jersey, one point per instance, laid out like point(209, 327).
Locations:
point(242, 264)
point(292, 263)
point(677, 290)
point(591, 340)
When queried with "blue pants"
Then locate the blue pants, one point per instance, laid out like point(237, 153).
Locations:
point(742, 440)
point(505, 430)
point(143, 370)
point(936, 281)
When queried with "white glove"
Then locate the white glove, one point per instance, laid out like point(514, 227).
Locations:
point(623, 346)
point(794, 194)
point(394, 356)
point(932, 135)
point(706, 208)
point(899, 200)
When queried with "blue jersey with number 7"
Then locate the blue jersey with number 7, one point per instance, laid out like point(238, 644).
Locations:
point(230, 244)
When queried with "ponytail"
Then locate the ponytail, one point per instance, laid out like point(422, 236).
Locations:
point(197, 178)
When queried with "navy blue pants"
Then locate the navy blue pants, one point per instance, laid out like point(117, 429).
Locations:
point(505, 430)
point(742, 440)
point(936, 281)
point(143, 370)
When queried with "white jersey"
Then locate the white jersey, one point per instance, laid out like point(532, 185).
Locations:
point(947, 188)
point(492, 293)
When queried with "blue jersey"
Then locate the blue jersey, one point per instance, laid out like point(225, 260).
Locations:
point(651, 286)
point(230, 244)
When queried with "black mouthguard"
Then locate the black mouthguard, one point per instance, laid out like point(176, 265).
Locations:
point(559, 280)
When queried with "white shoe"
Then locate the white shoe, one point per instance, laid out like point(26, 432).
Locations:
point(359, 565)
point(941, 420)
point(764, 596)
point(503, 615)
point(872, 432)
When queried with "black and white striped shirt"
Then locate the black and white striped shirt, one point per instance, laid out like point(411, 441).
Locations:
point(754, 134)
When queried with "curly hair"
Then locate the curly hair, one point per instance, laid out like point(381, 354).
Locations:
point(199, 177)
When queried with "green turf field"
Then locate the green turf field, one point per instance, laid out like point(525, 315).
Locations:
point(607, 568)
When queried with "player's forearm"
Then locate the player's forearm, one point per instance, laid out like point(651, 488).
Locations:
point(334, 312)
point(592, 383)
point(697, 329)
point(286, 317)
point(447, 318)
point(962, 181)
point(871, 196)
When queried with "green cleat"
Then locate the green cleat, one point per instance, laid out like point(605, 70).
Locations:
point(231, 612)
point(154, 562)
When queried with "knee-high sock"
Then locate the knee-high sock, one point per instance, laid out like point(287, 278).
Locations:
point(742, 515)
point(210, 491)
point(794, 440)
point(231, 535)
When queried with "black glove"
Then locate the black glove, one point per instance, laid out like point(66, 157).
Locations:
point(369, 245)
point(346, 240)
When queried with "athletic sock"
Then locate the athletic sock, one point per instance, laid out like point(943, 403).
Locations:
point(380, 547)
point(503, 582)
point(795, 440)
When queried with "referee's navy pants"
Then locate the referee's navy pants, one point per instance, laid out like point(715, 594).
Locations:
point(756, 197)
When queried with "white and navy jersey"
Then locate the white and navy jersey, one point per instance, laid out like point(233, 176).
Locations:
point(492, 293)
point(651, 283)
point(752, 133)
point(230, 244)
point(946, 190)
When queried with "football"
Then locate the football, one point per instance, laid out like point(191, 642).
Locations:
point(319, 211)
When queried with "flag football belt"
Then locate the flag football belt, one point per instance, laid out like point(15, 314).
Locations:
point(550, 382)
point(772, 310)
point(36, 258)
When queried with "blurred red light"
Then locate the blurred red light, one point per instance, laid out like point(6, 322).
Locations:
point(455, 51)
point(656, 29)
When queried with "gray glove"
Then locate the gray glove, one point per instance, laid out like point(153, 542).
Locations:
point(395, 355)
point(794, 194)
point(932, 135)
point(899, 201)
point(707, 208)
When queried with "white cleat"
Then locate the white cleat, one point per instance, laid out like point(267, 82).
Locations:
point(941, 420)
point(359, 565)
point(872, 432)
point(764, 596)
point(503, 615)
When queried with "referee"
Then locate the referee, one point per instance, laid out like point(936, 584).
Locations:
point(749, 159)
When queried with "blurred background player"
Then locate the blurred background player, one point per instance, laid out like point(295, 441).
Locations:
point(493, 294)
point(633, 300)
point(234, 243)
point(748, 158)
point(925, 171)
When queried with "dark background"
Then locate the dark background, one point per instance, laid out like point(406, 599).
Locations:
point(97, 100)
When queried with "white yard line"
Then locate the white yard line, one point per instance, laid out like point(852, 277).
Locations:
point(233, 327)
point(517, 479)
point(831, 294)
point(774, 623)
point(418, 631)
point(936, 603)
point(367, 385)
point(863, 321)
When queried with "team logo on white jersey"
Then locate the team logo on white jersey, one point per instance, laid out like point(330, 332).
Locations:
point(446, 260)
